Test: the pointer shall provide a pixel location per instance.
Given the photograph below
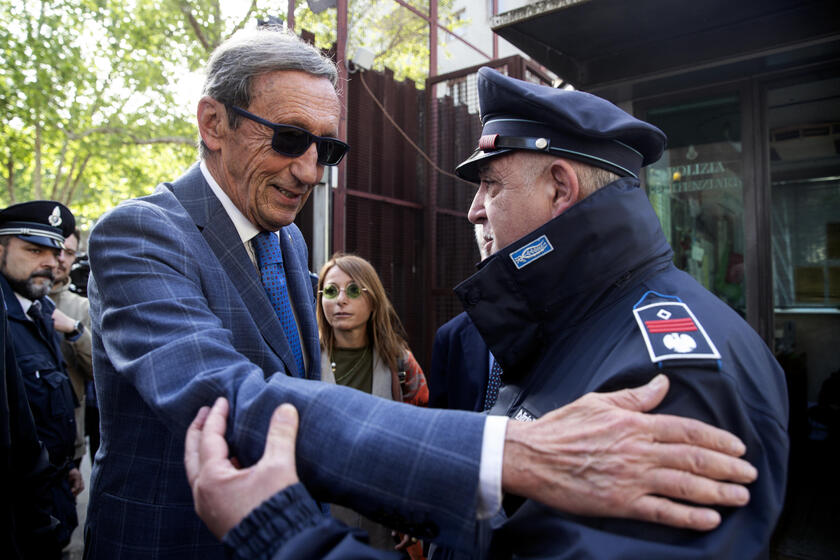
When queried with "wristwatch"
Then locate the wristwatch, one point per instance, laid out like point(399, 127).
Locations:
point(78, 329)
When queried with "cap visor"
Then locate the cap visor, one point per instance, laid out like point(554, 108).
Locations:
point(468, 169)
point(42, 241)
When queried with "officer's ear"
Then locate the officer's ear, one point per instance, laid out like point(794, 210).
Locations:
point(566, 187)
point(212, 122)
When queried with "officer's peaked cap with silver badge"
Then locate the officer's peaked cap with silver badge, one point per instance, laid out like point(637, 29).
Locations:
point(42, 222)
point(519, 115)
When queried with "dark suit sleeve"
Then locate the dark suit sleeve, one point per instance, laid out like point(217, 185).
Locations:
point(289, 526)
point(460, 363)
point(438, 393)
point(177, 349)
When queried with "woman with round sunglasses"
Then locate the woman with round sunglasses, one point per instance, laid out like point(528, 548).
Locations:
point(363, 346)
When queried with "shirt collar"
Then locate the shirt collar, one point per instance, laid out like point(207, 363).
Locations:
point(246, 230)
point(25, 303)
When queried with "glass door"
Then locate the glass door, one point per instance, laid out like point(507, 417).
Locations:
point(802, 118)
point(697, 189)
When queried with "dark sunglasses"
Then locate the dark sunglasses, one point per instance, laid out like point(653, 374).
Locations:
point(294, 141)
point(352, 291)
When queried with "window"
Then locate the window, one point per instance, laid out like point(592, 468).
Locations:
point(697, 191)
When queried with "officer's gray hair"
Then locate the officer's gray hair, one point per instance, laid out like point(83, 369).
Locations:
point(591, 178)
point(247, 54)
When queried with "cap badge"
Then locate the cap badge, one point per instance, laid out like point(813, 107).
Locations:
point(55, 217)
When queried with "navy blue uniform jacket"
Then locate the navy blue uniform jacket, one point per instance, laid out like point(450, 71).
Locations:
point(51, 400)
point(556, 309)
point(27, 530)
point(289, 526)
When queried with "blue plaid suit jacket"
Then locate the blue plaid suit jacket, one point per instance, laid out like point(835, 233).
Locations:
point(179, 317)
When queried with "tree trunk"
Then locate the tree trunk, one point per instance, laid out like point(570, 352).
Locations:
point(37, 190)
point(69, 195)
point(10, 180)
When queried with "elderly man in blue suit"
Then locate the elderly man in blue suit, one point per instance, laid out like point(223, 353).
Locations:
point(201, 289)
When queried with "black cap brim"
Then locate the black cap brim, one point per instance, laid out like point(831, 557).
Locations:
point(42, 241)
point(469, 168)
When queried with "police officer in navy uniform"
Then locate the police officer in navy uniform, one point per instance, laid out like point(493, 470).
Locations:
point(580, 294)
point(31, 236)
point(26, 527)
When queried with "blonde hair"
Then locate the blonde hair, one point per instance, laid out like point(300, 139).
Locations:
point(385, 331)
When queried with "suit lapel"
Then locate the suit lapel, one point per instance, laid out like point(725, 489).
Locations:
point(218, 230)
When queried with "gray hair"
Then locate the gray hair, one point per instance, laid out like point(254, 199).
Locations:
point(590, 178)
point(247, 54)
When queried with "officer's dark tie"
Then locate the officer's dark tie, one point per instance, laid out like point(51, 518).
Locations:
point(36, 313)
point(494, 382)
point(270, 261)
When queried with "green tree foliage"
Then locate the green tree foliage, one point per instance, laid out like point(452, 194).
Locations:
point(398, 37)
point(93, 108)
point(88, 112)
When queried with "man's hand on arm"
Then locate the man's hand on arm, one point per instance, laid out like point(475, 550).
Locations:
point(602, 456)
point(224, 494)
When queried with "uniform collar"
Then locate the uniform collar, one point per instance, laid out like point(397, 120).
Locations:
point(17, 306)
point(556, 276)
point(25, 303)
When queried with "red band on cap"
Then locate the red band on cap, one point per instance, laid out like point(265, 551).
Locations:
point(488, 142)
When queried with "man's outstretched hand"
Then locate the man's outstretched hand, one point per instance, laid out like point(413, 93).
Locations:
point(602, 455)
point(224, 494)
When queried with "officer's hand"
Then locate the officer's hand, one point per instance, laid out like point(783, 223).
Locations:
point(600, 455)
point(62, 322)
point(224, 494)
point(77, 483)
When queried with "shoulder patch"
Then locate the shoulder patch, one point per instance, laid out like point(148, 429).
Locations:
point(671, 331)
point(534, 250)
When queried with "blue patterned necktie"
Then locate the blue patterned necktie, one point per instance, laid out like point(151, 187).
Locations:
point(270, 261)
point(494, 382)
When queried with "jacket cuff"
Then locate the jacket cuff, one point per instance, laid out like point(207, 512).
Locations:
point(273, 523)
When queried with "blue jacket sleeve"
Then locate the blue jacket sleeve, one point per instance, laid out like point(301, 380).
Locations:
point(289, 526)
point(171, 334)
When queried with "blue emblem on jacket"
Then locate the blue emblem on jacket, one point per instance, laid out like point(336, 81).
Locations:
point(534, 250)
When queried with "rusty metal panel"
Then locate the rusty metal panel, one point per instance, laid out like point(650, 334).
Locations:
point(405, 215)
point(390, 237)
